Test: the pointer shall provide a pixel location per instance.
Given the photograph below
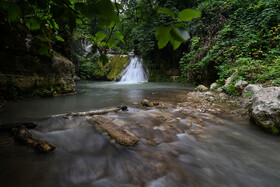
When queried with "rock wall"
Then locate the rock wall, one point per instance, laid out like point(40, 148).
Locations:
point(28, 70)
point(55, 76)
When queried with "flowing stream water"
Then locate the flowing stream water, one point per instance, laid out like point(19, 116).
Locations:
point(175, 148)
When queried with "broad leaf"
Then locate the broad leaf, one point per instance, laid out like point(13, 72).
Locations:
point(175, 44)
point(111, 42)
point(120, 36)
point(188, 15)
point(79, 21)
point(179, 34)
point(100, 35)
point(59, 38)
point(102, 44)
point(33, 23)
point(166, 11)
point(163, 35)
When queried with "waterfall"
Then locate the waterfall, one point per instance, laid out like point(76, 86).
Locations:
point(135, 72)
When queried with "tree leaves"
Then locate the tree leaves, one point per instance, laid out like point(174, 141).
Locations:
point(163, 35)
point(103, 10)
point(188, 15)
point(33, 23)
point(99, 36)
point(166, 11)
point(59, 38)
point(119, 36)
point(174, 33)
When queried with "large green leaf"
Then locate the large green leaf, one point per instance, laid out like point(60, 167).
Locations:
point(33, 23)
point(89, 10)
point(120, 36)
point(166, 11)
point(163, 35)
point(188, 15)
point(79, 21)
point(100, 35)
point(179, 34)
point(107, 12)
point(111, 42)
point(175, 44)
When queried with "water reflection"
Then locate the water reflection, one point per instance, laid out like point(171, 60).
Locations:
point(92, 95)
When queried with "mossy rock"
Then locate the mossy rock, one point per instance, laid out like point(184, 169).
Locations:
point(116, 65)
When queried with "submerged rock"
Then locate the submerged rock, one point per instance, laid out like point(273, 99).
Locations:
point(147, 103)
point(265, 109)
point(201, 88)
point(122, 107)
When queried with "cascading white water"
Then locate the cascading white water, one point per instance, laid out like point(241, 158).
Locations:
point(135, 72)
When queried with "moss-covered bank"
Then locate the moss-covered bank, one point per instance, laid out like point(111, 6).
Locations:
point(93, 69)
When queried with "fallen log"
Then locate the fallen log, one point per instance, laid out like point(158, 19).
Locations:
point(121, 135)
point(92, 112)
point(24, 136)
point(9, 126)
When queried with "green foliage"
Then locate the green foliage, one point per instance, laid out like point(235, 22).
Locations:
point(245, 41)
point(166, 11)
point(174, 33)
point(188, 15)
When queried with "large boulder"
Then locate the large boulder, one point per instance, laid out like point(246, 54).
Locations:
point(251, 88)
point(201, 88)
point(265, 109)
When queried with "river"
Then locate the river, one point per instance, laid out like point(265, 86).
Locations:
point(177, 147)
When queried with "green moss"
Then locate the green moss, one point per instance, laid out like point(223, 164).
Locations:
point(116, 65)
point(274, 130)
point(95, 69)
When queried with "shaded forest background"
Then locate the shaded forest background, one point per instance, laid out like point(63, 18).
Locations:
point(230, 37)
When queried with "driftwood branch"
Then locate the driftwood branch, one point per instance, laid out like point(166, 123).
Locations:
point(92, 112)
point(22, 135)
point(121, 135)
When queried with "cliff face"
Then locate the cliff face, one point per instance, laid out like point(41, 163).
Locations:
point(27, 66)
